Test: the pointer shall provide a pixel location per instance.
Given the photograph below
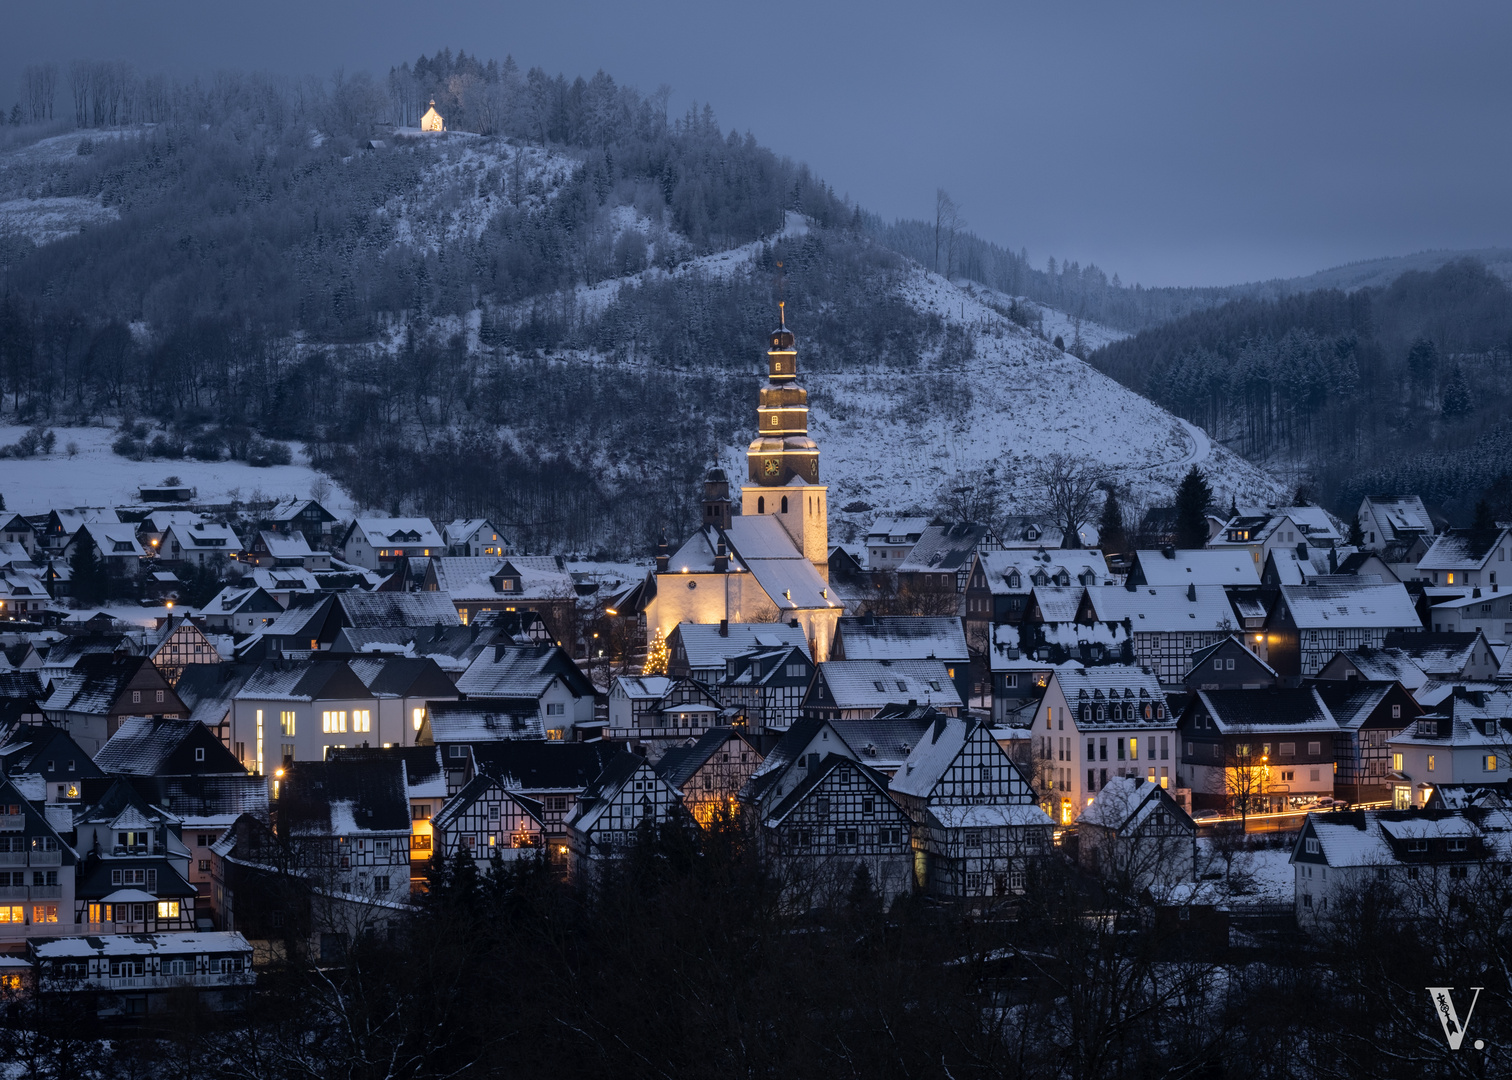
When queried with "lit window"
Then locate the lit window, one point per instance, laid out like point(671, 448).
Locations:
point(168, 909)
point(1490, 763)
point(362, 720)
point(1396, 762)
point(419, 718)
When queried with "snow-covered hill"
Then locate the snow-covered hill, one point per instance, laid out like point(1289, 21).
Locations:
point(881, 446)
point(93, 475)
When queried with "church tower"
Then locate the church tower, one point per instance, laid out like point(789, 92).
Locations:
point(783, 462)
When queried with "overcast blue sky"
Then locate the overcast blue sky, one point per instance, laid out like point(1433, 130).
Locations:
point(1200, 143)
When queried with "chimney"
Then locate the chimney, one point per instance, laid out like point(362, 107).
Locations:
point(1333, 560)
point(1168, 551)
point(1302, 551)
point(1192, 591)
point(724, 627)
point(1475, 594)
point(721, 558)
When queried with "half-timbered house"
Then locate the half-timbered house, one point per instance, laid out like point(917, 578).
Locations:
point(133, 876)
point(710, 773)
point(976, 825)
point(1136, 837)
point(838, 819)
point(764, 688)
point(486, 820)
point(627, 799)
point(37, 869)
point(656, 711)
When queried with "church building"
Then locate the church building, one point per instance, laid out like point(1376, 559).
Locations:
point(770, 562)
point(432, 121)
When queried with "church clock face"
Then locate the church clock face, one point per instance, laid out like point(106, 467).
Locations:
point(772, 466)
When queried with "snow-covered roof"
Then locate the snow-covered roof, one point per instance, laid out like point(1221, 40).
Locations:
point(291, 545)
point(1058, 603)
point(906, 529)
point(1014, 570)
point(1169, 609)
point(113, 539)
point(1201, 566)
point(429, 609)
point(1463, 549)
point(901, 637)
point(871, 684)
point(1110, 682)
point(1126, 802)
point(942, 548)
point(204, 536)
point(481, 720)
point(1379, 665)
point(169, 944)
point(1277, 710)
point(399, 532)
point(642, 687)
point(706, 646)
point(519, 671)
point(1363, 838)
point(988, 817)
point(1351, 606)
point(468, 578)
point(1400, 514)
point(768, 552)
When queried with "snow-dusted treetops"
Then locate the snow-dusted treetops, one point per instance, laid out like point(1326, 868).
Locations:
point(550, 315)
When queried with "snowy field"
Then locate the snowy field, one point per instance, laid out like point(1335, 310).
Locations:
point(45, 220)
point(98, 477)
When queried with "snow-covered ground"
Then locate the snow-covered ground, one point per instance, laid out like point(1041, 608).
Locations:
point(96, 476)
point(47, 219)
point(881, 446)
point(470, 181)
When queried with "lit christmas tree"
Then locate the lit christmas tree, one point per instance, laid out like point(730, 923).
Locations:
point(656, 656)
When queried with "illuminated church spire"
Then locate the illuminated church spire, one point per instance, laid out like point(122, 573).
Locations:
point(782, 450)
point(782, 461)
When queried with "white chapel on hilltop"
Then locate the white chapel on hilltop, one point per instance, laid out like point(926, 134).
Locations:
point(770, 562)
point(432, 121)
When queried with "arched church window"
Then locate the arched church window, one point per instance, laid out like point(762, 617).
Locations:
point(760, 505)
point(784, 504)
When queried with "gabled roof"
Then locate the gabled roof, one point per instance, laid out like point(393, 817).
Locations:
point(1365, 837)
point(884, 741)
point(1128, 802)
point(212, 801)
point(397, 532)
point(1110, 682)
point(1057, 603)
point(1462, 549)
point(1272, 710)
point(1201, 656)
point(402, 676)
point(1351, 701)
point(679, 764)
point(468, 578)
point(153, 746)
point(396, 609)
point(941, 744)
point(1078, 566)
point(1350, 607)
point(1168, 609)
point(905, 528)
point(761, 543)
point(344, 797)
point(205, 536)
point(302, 680)
point(290, 545)
point(208, 690)
point(705, 646)
point(32, 746)
point(944, 548)
point(901, 637)
point(474, 790)
point(1384, 665)
point(871, 684)
point(1400, 514)
point(816, 776)
point(97, 682)
point(1199, 566)
point(292, 509)
point(601, 794)
point(422, 765)
point(544, 766)
point(112, 539)
point(521, 671)
point(489, 719)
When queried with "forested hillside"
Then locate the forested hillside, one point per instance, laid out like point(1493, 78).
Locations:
point(1401, 388)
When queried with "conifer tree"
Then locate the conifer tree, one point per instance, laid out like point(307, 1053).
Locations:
point(1112, 533)
point(656, 657)
point(1192, 500)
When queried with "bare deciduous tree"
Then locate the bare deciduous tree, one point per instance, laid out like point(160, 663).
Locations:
point(1067, 490)
point(948, 222)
